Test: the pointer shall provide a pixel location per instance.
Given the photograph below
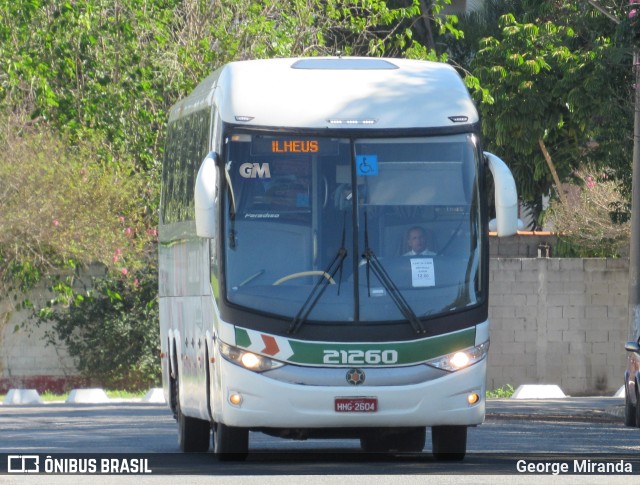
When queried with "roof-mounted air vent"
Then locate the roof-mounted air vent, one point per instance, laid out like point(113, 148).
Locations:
point(340, 63)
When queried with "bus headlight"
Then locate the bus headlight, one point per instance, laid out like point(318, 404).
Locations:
point(248, 360)
point(461, 358)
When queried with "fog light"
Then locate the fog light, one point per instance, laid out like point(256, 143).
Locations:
point(473, 398)
point(235, 398)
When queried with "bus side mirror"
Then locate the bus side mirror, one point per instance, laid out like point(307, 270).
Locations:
point(506, 196)
point(632, 346)
point(206, 194)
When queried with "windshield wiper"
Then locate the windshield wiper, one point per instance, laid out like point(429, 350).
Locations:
point(232, 206)
point(392, 289)
point(387, 282)
point(318, 289)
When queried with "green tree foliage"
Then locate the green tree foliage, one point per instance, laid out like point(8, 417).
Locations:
point(113, 67)
point(584, 222)
point(60, 207)
point(553, 104)
point(111, 329)
point(97, 66)
point(270, 28)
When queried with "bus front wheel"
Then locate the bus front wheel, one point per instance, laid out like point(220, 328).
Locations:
point(449, 443)
point(230, 443)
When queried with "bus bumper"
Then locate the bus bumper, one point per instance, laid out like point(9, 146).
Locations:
point(266, 402)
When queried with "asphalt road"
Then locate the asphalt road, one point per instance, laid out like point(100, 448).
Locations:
point(532, 431)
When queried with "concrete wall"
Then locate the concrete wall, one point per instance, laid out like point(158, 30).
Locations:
point(25, 359)
point(524, 245)
point(558, 321)
point(553, 321)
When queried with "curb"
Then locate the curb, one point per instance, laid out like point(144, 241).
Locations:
point(88, 396)
point(156, 395)
point(80, 396)
point(538, 391)
point(22, 396)
point(548, 391)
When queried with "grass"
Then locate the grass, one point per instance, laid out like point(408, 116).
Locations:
point(48, 396)
point(502, 392)
point(125, 394)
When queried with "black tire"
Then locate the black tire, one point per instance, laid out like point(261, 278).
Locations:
point(194, 435)
point(449, 443)
point(406, 440)
point(630, 411)
point(230, 443)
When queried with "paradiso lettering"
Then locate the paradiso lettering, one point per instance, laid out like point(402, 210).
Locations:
point(255, 170)
point(359, 357)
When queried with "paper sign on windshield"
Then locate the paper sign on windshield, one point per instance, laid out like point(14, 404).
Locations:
point(422, 273)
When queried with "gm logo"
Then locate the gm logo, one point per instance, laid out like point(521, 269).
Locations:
point(255, 170)
point(23, 464)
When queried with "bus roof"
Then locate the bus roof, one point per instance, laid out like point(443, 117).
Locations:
point(333, 92)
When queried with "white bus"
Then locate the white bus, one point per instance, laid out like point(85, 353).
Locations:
point(293, 301)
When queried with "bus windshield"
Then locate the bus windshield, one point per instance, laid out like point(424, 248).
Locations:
point(335, 230)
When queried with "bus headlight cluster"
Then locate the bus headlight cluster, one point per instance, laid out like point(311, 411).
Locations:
point(248, 360)
point(461, 358)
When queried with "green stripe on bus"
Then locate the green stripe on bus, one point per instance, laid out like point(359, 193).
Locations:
point(411, 352)
point(371, 353)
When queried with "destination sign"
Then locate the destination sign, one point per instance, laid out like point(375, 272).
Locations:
point(294, 146)
point(283, 145)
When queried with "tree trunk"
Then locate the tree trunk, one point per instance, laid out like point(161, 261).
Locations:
point(424, 13)
point(552, 168)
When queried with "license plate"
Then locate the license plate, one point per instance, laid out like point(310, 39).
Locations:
point(356, 404)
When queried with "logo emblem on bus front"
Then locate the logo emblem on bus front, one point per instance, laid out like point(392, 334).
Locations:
point(355, 377)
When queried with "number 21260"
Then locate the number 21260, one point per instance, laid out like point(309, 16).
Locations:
point(359, 357)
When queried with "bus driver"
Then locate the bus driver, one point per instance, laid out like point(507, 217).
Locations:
point(417, 241)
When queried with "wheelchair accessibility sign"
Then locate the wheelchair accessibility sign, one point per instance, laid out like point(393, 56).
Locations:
point(366, 165)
